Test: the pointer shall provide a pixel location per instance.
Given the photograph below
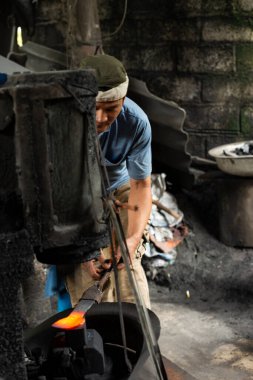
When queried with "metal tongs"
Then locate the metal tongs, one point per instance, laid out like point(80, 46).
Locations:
point(93, 295)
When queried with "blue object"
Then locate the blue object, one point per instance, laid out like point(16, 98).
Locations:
point(63, 301)
point(55, 286)
point(3, 78)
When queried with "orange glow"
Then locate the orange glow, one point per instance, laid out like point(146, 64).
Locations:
point(73, 320)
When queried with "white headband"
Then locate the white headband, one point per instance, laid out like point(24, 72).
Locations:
point(114, 93)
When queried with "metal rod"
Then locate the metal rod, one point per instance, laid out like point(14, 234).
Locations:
point(147, 329)
point(145, 322)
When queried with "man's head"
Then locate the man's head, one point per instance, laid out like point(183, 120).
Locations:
point(112, 82)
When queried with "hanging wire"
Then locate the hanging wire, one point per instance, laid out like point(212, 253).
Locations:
point(120, 24)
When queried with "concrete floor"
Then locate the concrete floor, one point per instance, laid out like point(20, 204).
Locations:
point(210, 341)
point(205, 304)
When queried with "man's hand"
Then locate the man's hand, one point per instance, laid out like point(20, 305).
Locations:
point(96, 267)
point(132, 244)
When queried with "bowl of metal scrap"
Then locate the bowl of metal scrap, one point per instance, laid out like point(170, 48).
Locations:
point(235, 159)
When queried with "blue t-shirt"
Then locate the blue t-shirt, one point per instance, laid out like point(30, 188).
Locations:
point(126, 146)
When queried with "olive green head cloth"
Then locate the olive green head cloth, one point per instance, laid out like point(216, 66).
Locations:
point(111, 76)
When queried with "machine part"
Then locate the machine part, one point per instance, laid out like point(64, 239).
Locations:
point(72, 354)
point(42, 58)
point(83, 35)
point(54, 161)
point(104, 319)
point(74, 325)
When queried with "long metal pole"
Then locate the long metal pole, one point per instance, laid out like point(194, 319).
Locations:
point(147, 329)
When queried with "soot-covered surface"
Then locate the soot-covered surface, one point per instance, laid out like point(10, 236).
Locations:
point(204, 264)
point(16, 263)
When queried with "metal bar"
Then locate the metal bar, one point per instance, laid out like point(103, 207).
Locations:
point(147, 330)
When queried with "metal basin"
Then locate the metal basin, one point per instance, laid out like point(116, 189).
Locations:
point(230, 163)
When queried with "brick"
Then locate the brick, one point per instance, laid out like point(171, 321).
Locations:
point(176, 88)
point(247, 89)
point(221, 31)
point(196, 145)
point(127, 36)
point(109, 9)
point(155, 31)
point(205, 59)
point(189, 7)
point(244, 59)
point(185, 30)
point(150, 59)
point(247, 121)
point(159, 7)
point(112, 50)
point(220, 89)
point(161, 31)
point(224, 117)
point(227, 89)
point(246, 5)
point(214, 7)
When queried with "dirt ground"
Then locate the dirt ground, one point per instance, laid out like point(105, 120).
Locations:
point(204, 303)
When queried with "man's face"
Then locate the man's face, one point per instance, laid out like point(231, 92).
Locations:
point(106, 113)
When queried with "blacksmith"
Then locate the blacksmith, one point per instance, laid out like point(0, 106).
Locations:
point(124, 133)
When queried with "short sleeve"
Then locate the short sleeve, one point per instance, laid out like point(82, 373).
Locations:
point(139, 160)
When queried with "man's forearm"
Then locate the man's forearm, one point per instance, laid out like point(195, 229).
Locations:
point(141, 198)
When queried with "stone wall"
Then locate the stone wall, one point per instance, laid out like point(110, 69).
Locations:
point(198, 53)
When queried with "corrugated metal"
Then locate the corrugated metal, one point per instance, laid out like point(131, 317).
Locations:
point(169, 138)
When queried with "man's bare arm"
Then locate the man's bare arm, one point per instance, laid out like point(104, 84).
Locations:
point(140, 197)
